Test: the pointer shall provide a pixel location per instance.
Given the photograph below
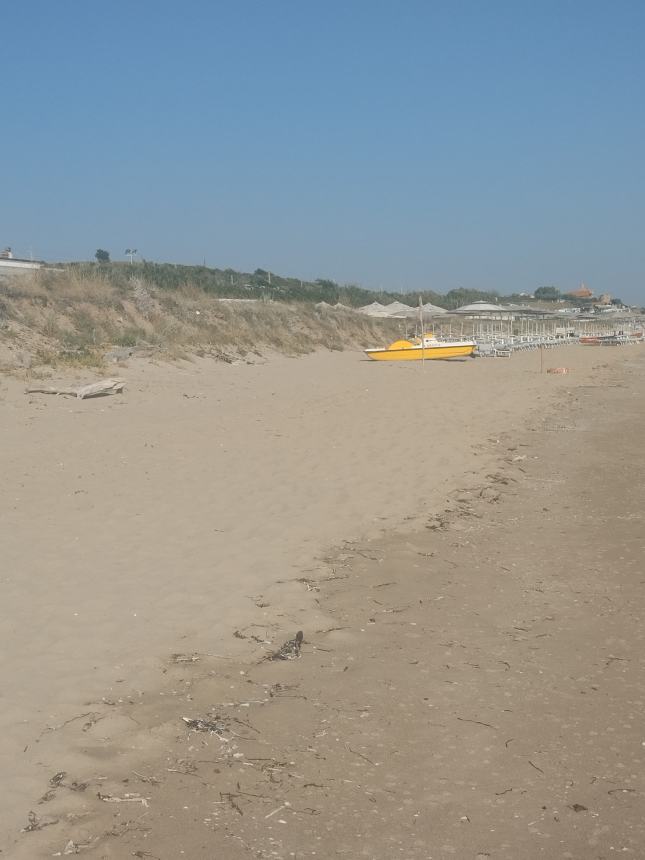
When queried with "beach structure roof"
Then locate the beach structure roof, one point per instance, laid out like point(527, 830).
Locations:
point(395, 310)
point(429, 308)
point(395, 307)
point(374, 309)
point(480, 308)
point(532, 310)
point(489, 310)
point(399, 309)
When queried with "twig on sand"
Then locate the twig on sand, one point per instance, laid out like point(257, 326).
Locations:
point(37, 822)
point(92, 715)
point(279, 809)
point(360, 755)
point(151, 779)
point(227, 796)
point(477, 722)
point(331, 629)
point(535, 766)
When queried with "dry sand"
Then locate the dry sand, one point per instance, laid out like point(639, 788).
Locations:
point(160, 522)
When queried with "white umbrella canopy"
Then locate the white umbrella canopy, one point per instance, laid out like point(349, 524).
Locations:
point(375, 309)
point(399, 309)
point(429, 308)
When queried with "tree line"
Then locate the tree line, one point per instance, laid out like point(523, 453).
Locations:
point(229, 283)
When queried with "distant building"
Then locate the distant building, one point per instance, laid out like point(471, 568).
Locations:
point(9, 263)
point(581, 293)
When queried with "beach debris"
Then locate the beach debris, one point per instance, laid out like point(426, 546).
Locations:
point(184, 658)
point(37, 822)
point(239, 635)
point(185, 766)
point(291, 648)
point(480, 723)
point(284, 691)
point(72, 848)
point(127, 798)
point(55, 782)
point(557, 370)
point(94, 389)
point(360, 755)
point(50, 794)
point(199, 725)
point(57, 778)
point(151, 779)
point(285, 805)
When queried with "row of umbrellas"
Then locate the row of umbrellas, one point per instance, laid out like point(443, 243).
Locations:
point(399, 309)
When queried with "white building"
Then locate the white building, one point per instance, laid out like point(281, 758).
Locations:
point(9, 263)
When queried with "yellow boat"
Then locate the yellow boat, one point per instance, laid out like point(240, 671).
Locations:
point(424, 348)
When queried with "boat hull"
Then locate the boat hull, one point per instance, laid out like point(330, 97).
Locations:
point(417, 353)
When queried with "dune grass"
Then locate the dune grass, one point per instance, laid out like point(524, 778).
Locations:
point(73, 317)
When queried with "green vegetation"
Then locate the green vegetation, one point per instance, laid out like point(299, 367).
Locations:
point(228, 283)
point(102, 256)
point(548, 294)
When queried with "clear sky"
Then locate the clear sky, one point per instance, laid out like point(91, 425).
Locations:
point(492, 145)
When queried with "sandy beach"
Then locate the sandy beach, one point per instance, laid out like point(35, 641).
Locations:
point(142, 532)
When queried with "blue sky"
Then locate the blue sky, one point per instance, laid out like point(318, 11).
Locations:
point(493, 145)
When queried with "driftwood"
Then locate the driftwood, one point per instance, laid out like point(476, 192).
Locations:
point(128, 798)
point(94, 389)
